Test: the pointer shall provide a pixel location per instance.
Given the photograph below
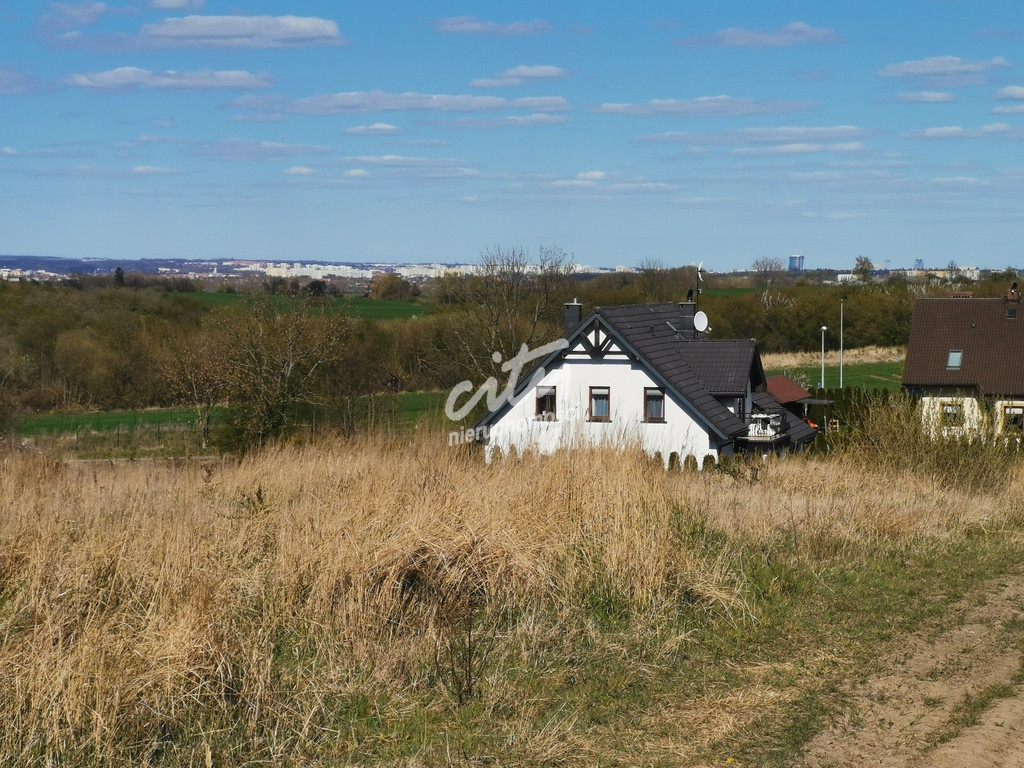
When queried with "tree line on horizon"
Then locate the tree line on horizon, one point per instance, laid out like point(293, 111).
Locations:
point(133, 341)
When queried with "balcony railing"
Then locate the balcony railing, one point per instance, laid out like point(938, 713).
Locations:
point(764, 426)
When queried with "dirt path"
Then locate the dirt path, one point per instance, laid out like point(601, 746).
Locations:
point(916, 713)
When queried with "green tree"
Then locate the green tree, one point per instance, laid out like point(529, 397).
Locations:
point(387, 285)
point(863, 269)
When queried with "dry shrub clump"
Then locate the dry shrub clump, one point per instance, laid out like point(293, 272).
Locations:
point(339, 599)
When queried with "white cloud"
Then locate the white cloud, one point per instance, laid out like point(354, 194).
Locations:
point(299, 170)
point(591, 175)
point(377, 129)
point(542, 103)
point(14, 83)
point(959, 132)
point(787, 133)
point(1016, 109)
point(356, 173)
point(358, 102)
point(942, 132)
point(8, 151)
point(794, 33)
point(643, 186)
point(151, 170)
point(129, 77)
point(75, 14)
point(396, 161)
point(969, 181)
point(242, 32)
point(177, 5)
point(495, 82)
point(468, 25)
point(519, 75)
point(1011, 92)
point(380, 101)
point(248, 149)
point(537, 118)
point(704, 106)
point(574, 183)
point(926, 97)
point(941, 66)
point(801, 149)
point(538, 72)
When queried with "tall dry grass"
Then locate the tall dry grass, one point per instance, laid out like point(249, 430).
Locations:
point(296, 605)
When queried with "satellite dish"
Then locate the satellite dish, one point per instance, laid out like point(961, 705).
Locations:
point(700, 322)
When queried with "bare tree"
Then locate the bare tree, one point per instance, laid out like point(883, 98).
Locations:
point(508, 301)
point(196, 373)
point(766, 271)
point(277, 353)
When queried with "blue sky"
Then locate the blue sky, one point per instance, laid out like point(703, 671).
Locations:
point(659, 132)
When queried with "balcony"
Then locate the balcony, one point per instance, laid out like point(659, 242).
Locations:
point(764, 427)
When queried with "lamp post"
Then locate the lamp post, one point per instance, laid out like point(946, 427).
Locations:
point(841, 300)
point(821, 383)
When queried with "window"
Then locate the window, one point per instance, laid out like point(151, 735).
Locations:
point(600, 404)
point(951, 415)
point(546, 404)
point(1011, 312)
point(956, 356)
point(654, 404)
point(1013, 419)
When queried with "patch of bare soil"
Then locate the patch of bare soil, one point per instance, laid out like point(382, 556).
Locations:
point(916, 712)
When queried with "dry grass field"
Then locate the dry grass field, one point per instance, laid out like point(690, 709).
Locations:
point(378, 601)
point(858, 356)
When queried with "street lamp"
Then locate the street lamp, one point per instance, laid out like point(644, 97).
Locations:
point(841, 300)
point(821, 384)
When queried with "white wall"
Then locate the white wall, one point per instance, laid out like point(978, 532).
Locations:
point(931, 413)
point(572, 379)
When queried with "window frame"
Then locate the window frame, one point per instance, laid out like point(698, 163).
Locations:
point(959, 360)
point(606, 393)
point(660, 391)
point(546, 394)
point(952, 414)
point(1009, 412)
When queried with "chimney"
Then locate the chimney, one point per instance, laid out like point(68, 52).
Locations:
point(573, 316)
point(1013, 294)
point(687, 309)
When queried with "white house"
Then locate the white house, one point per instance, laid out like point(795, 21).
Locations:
point(645, 375)
point(965, 361)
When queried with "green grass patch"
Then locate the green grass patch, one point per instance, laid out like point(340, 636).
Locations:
point(886, 376)
point(58, 422)
point(967, 713)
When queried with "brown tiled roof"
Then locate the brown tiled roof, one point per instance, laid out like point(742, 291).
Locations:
point(992, 346)
point(785, 390)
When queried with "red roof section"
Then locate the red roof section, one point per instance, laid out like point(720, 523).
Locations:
point(785, 390)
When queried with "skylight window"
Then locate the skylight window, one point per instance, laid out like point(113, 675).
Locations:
point(956, 356)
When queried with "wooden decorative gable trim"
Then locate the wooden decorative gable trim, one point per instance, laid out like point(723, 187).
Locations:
point(596, 343)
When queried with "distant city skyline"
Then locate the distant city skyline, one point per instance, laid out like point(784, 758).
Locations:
point(398, 132)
